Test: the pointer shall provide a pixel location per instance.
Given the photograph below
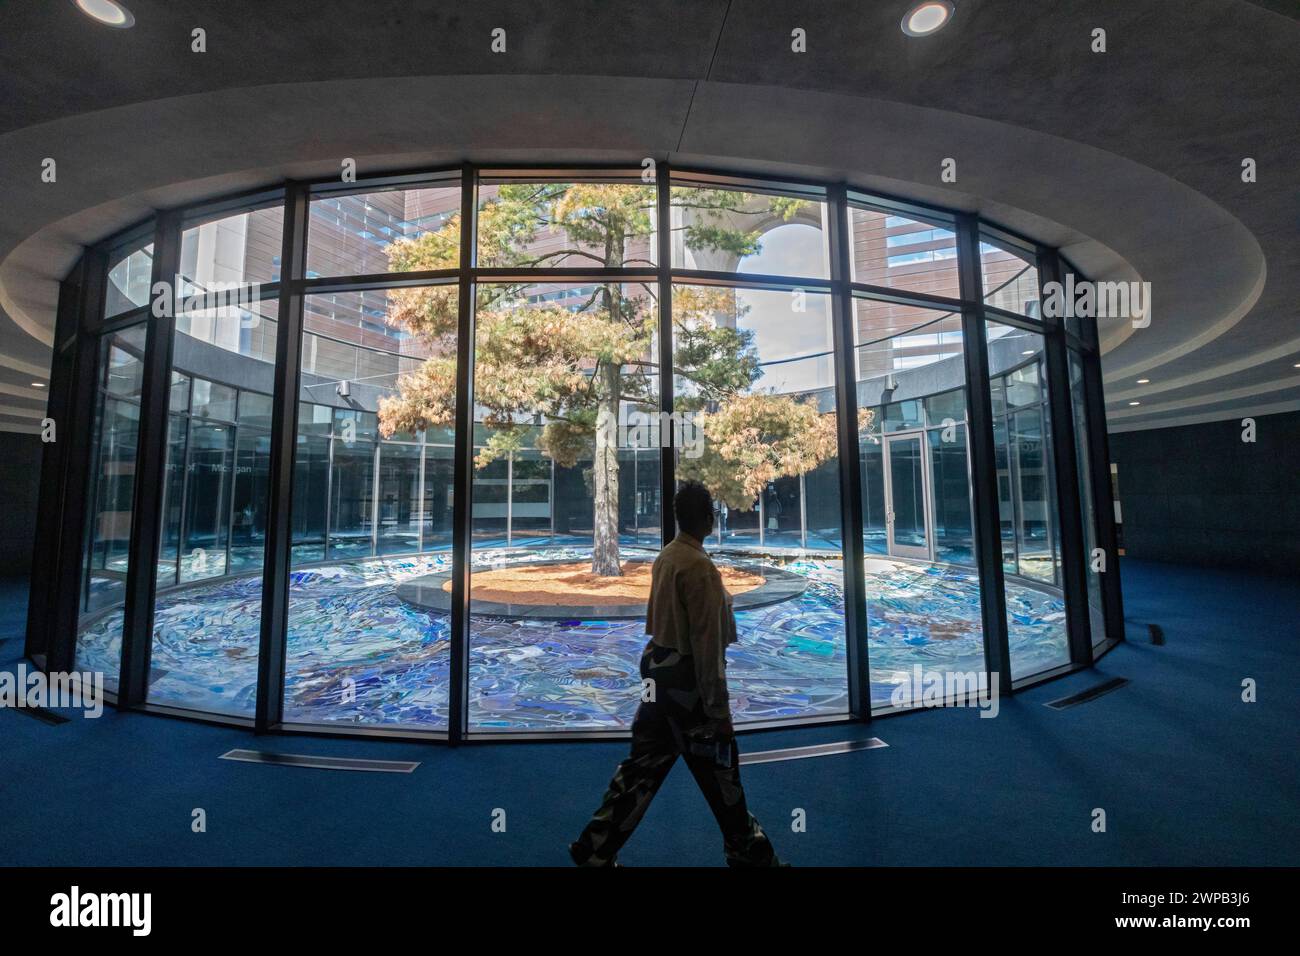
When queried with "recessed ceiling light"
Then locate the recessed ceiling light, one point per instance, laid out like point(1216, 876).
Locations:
point(1027, 352)
point(1144, 381)
point(108, 12)
point(1135, 403)
point(926, 18)
point(1297, 365)
point(38, 384)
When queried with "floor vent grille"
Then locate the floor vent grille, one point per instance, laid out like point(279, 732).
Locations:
point(43, 715)
point(1091, 693)
point(816, 750)
point(321, 763)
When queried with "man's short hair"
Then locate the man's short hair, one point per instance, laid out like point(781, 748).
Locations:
point(692, 505)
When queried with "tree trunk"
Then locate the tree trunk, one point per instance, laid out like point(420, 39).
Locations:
point(604, 553)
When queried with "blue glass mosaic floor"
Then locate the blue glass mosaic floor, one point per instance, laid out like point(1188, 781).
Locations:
point(358, 655)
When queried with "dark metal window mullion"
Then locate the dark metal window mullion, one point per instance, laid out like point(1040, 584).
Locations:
point(1103, 496)
point(463, 466)
point(376, 482)
point(419, 492)
point(667, 443)
point(85, 553)
point(150, 464)
point(230, 503)
point(1069, 508)
point(183, 512)
point(846, 403)
point(327, 529)
point(276, 558)
point(57, 565)
point(986, 493)
point(1015, 489)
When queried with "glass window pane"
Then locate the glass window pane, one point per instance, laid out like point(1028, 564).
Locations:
point(731, 230)
point(213, 400)
point(178, 434)
point(491, 515)
point(901, 416)
point(950, 470)
point(239, 250)
point(998, 395)
point(1035, 525)
point(372, 509)
point(255, 409)
point(892, 338)
point(871, 451)
point(904, 253)
point(110, 493)
point(1006, 501)
point(250, 494)
point(392, 230)
point(206, 523)
point(1010, 279)
point(755, 384)
point(906, 489)
point(179, 400)
point(208, 607)
point(122, 362)
point(311, 475)
point(922, 586)
point(352, 491)
point(946, 407)
point(1022, 385)
point(130, 270)
point(248, 329)
point(576, 225)
point(437, 495)
point(399, 498)
point(1031, 546)
point(566, 444)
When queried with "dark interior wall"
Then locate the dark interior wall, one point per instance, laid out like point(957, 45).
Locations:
point(20, 477)
point(1198, 494)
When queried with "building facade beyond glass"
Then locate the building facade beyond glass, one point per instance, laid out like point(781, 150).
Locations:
point(395, 456)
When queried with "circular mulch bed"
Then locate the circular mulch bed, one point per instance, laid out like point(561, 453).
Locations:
point(565, 590)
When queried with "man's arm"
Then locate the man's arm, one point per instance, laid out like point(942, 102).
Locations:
point(708, 617)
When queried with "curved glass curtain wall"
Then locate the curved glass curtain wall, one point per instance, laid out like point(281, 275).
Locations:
point(575, 438)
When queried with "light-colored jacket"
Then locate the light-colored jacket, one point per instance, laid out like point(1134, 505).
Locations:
point(690, 612)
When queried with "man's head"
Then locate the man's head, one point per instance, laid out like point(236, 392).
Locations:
point(693, 507)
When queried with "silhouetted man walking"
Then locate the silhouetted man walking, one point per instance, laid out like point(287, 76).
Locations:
point(687, 711)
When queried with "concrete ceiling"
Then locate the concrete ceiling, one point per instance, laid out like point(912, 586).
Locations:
point(1129, 160)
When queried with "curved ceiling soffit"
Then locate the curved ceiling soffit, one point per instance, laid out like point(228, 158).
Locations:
point(166, 156)
point(1146, 221)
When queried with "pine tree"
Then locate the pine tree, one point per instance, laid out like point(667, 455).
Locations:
point(571, 369)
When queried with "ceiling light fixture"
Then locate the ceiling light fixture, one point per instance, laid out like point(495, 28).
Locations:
point(1144, 381)
point(38, 384)
point(108, 12)
point(926, 18)
point(1135, 403)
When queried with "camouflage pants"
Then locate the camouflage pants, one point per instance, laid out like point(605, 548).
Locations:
point(661, 733)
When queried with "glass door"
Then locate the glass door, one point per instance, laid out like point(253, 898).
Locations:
point(906, 492)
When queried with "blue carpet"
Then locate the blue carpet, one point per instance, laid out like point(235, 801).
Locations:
point(1186, 772)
